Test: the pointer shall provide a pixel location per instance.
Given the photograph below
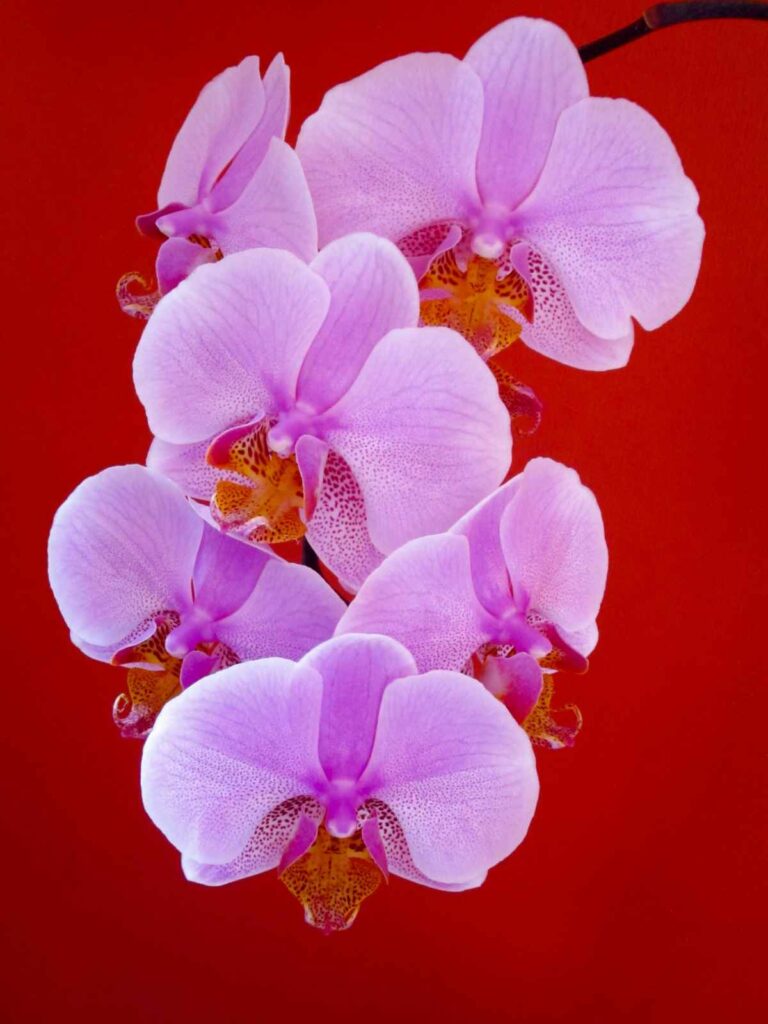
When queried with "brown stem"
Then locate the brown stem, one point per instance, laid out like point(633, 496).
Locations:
point(665, 15)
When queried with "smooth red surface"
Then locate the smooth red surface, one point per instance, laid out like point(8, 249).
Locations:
point(640, 892)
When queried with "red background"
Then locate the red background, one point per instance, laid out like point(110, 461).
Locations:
point(639, 894)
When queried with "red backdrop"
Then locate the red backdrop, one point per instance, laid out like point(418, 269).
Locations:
point(638, 895)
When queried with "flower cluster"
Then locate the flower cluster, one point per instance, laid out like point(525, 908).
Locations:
point(323, 370)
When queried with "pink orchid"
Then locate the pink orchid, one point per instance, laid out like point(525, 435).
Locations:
point(526, 207)
point(230, 183)
point(291, 399)
point(511, 593)
point(336, 770)
point(143, 582)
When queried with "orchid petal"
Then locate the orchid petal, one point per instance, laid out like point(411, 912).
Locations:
point(186, 466)
point(531, 72)
point(422, 595)
point(424, 432)
point(583, 640)
point(122, 549)
point(273, 210)
point(229, 750)
point(272, 123)
point(223, 116)
point(554, 545)
point(516, 680)
point(290, 610)
point(225, 573)
point(311, 458)
point(481, 527)
point(386, 835)
point(273, 838)
point(615, 215)
point(176, 259)
point(373, 290)
point(556, 331)
point(395, 148)
point(457, 771)
point(338, 528)
point(227, 344)
point(355, 670)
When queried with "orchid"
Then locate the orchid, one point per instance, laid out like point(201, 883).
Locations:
point(526, 207)
point(289, 399)
point(144, 583)
point(510, 594)
point(336, 770)
point(230, 183)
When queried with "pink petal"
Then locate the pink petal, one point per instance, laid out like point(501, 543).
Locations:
point(394, 149)
point(386, 842)
point(229, 750)
point(176, 259)
point(185, 464)
point(424, 432)
point(338, 529)
point(355, 672)
point(273, 210)
point(286, 831)
point(531, 72)
point(227, 344)
point(422, 595)
point(554, 545)
point(272, 123)
point(615, 215)
point(373, 290)
point(556, 331)
point(226, 572)
point(457, 771)
point(516, 681)
point(584, 640)
point(481, 526)
point(311, 458)
point(290, 610)
point(223, 116)
point(122, 548)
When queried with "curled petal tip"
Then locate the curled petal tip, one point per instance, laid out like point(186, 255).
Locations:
point(524, 406)
point(136, 295)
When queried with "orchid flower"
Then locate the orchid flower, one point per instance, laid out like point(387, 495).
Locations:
point(336, 770)
point(526, 207)
point(230, 183)
point(510, 594)
point(291, 399)
point(144, 583)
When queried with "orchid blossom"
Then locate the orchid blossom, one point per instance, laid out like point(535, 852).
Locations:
point(526, 207)
point(510, 594)
point(289, 399)
point(337, 770)
point(144, 583)
point(230, 183)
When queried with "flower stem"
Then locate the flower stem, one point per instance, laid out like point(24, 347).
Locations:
point(664, 15)
point(309, 555)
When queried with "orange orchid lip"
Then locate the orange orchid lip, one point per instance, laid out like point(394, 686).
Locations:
point(267, 501)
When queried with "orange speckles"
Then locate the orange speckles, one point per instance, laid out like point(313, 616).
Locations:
point(266, 505)
point(473, 299)
point(332, 879)
point(550, 727)
point(148, 690)
point(136, 295)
